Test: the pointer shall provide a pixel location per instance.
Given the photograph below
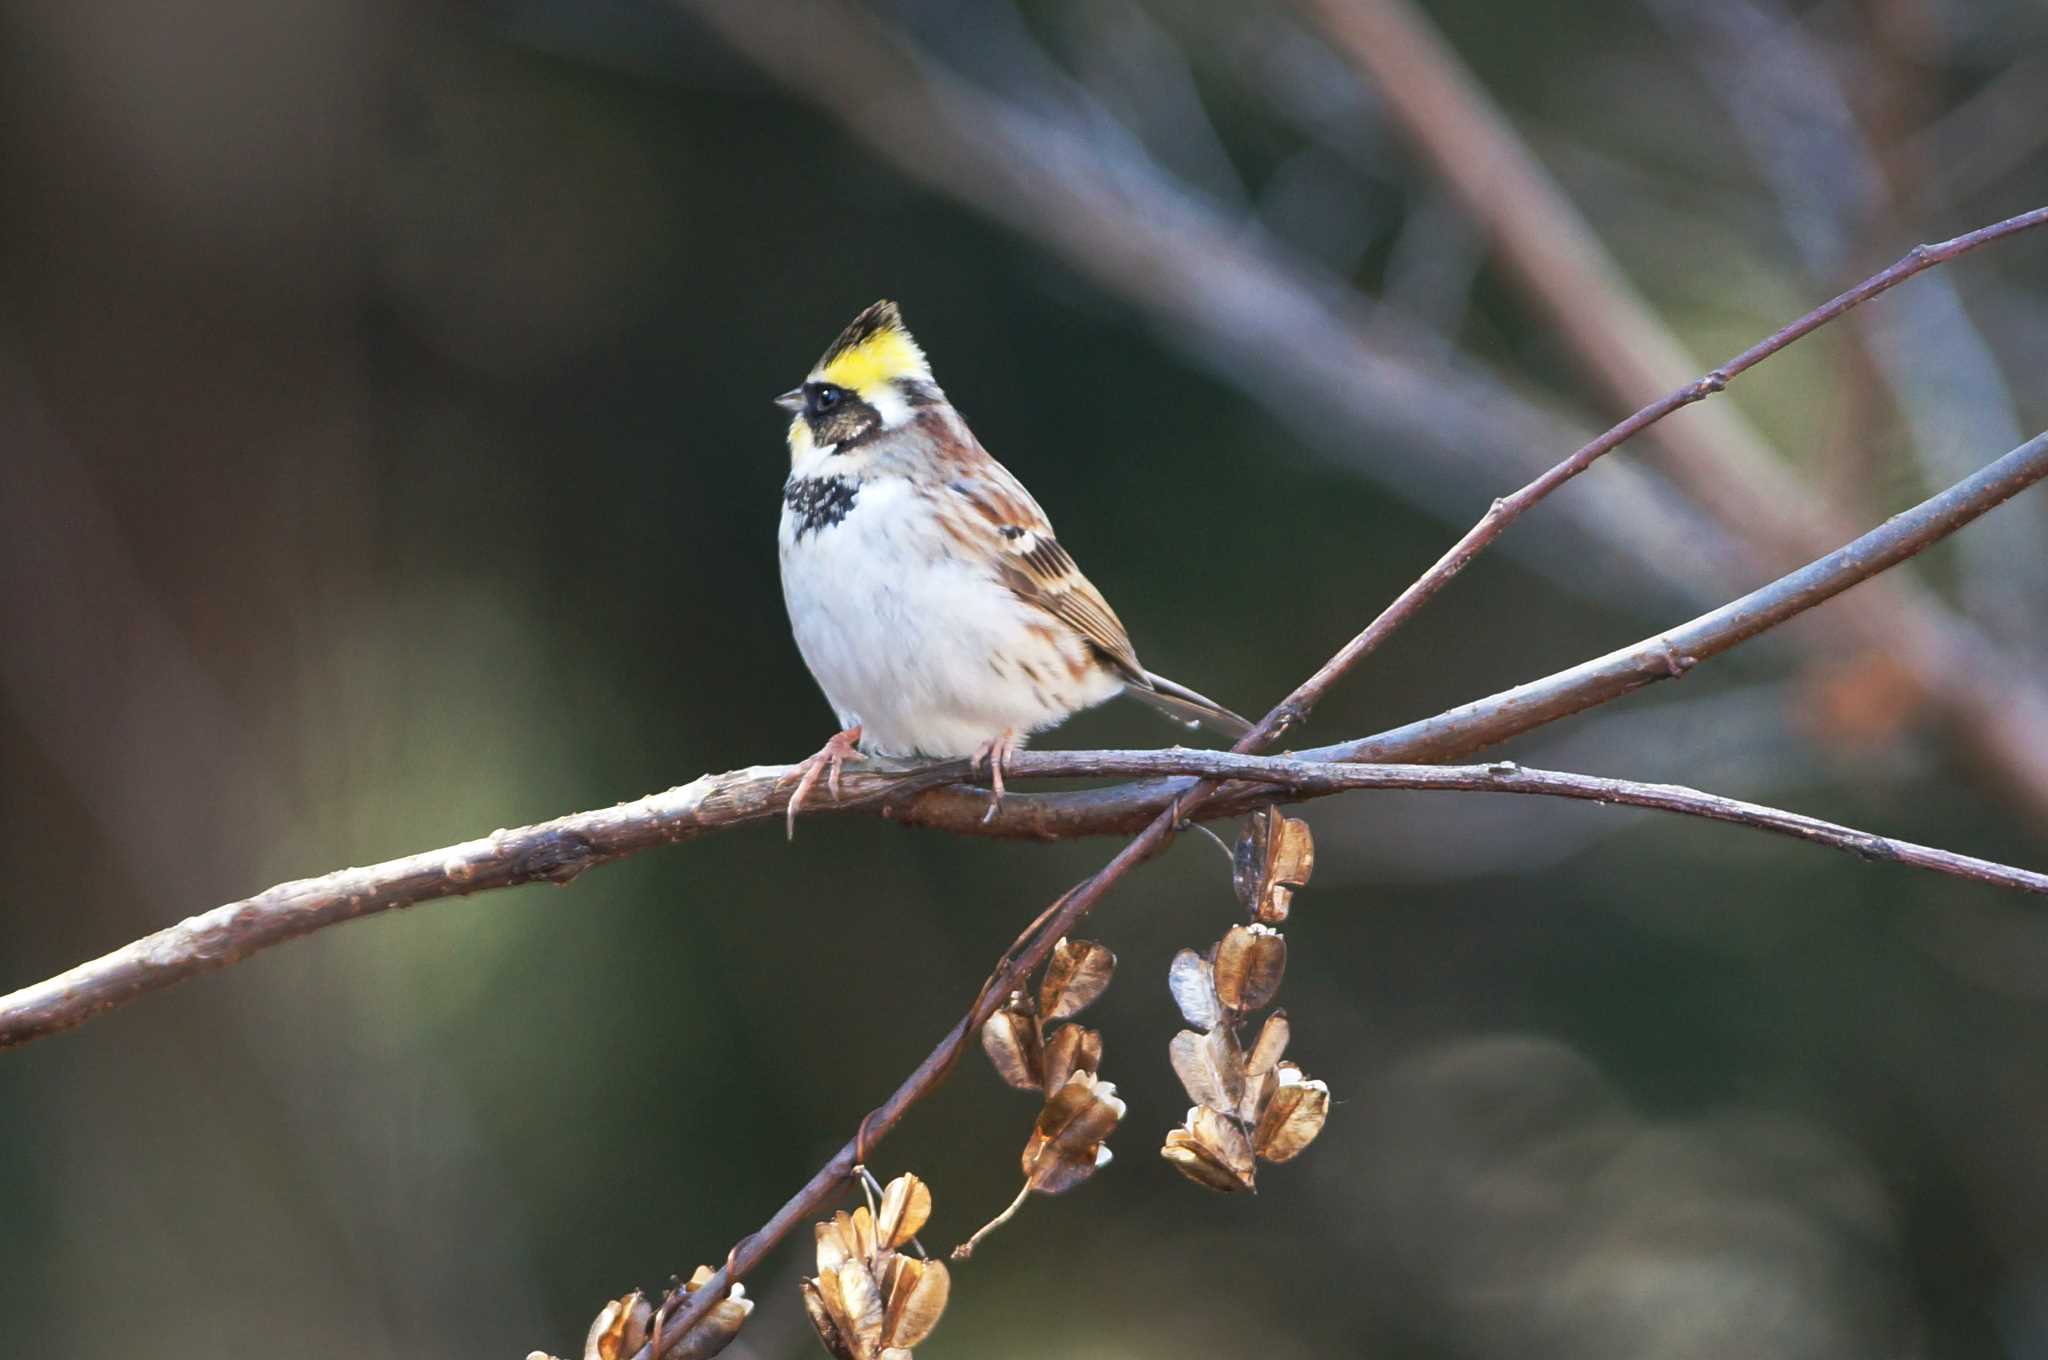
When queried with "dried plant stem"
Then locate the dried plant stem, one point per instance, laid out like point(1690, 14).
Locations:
point(965, 1251)
point(559, 850)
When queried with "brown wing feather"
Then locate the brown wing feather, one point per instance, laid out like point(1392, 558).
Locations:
point(1001, 518)
point(1051, 581)
point(1035, 565)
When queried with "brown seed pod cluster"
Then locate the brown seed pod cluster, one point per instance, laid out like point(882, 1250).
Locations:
point(1059, 1063)
point(624, 1325)
point(1250, 1104)
point(1028, 1050)
point(870, 1300)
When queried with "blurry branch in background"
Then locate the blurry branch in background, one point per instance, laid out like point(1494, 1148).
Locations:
point(1987, 136)
point(930, 796)
point(1557, 259)
point(1553, 254)
point(1774, 82)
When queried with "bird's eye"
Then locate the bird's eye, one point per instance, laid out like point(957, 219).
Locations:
point(824, 396)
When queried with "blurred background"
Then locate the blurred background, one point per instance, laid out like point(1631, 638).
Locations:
point(386, 456)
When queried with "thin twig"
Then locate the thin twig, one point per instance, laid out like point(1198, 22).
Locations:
point(929, 796)
point(1305, 779)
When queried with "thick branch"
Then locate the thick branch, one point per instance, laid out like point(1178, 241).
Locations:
point(559, 850)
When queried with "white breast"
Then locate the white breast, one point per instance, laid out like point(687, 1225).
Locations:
point(923, 648)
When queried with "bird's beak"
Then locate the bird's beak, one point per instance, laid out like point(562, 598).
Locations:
point(791, 401)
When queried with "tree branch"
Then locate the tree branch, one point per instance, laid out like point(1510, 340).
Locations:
point(1305, 779)
point(558, 850)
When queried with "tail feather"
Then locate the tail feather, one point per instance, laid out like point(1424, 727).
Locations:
point(1188, 708)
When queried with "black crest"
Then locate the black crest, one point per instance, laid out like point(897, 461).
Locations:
point(879, 317)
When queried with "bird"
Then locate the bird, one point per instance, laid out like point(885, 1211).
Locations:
point(926, 590)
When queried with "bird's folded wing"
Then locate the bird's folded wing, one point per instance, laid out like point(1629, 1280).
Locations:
point(1042, 572)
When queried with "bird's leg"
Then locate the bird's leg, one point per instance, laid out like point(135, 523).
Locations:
point(833, 754)
point(995, 751)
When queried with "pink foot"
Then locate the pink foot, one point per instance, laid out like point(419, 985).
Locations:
point(995, 751)
point(833, 754)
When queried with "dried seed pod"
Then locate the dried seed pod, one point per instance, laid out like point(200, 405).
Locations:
point(845, 1237)
point(714, 1331)
point(917, 1292)
point(1248, 858)
point(1270, 1047)
point(1066, 1144)
point(1275, 905)
point(1193, 984)
point(1072, 1048)
point(1211, 1151)
point(836, 1245)
point(868, 1301)
point(1012, 1040)
point(1260, 1078)
point(852, 1238)
point(1257, 1091)
point(1077, 973)
point(856, 1303)
point(836, 1345)
point(1250, 961)
point(1274, 855)
point(906, 1204)
point(620, 1328)
point(1210, 1067)
point(1293, 1116)
point(1292, 857)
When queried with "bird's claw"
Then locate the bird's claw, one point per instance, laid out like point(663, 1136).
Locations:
point(842, 747)
point(995, 751)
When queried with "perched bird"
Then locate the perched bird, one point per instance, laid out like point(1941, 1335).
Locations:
point(925, 587)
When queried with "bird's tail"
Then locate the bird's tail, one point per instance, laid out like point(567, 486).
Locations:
point(1186, 707)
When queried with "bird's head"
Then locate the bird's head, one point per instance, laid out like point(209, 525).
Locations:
point(871, 379)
